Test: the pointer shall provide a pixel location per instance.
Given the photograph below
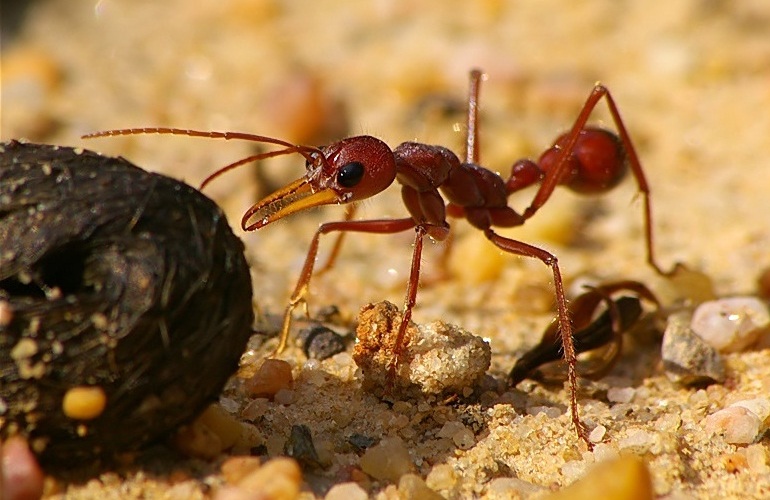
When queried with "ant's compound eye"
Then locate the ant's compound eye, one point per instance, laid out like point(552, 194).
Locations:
point(350, 174)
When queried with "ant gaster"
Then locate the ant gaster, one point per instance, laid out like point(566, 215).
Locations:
point(436, 184)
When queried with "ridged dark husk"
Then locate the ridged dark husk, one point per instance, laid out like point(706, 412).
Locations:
point(124, 279)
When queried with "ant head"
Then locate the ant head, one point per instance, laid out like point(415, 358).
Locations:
point(350, 170)
point(355, 168)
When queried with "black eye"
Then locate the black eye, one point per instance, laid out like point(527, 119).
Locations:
point(350, 174)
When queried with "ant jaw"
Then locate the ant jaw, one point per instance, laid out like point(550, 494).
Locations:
point(295, 197)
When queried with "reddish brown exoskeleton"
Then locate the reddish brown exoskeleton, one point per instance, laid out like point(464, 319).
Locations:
point(435, 185)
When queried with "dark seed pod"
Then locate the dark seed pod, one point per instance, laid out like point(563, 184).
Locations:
point(125, 302)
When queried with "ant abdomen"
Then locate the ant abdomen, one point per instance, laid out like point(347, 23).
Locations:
point(597, 162)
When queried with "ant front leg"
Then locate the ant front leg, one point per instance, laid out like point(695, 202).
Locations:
point(384, 226)
point(410, 300)
point(350, 212)
point(565, 324)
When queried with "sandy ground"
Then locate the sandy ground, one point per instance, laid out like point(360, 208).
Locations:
point(691, 78)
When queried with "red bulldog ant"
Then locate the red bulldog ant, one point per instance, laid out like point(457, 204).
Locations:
point(435, 185)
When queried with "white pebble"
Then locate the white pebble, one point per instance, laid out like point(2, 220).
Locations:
point(573, 470)
point(548, 411)
point(605, 451)
point(511, 487)
point(597, 434)
point(620, 394)
point(639, 440)
point(346, 491)
point(758, 406)
point(737, 424)
point(731, 324)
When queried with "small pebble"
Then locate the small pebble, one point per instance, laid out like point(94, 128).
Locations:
point(620, 394)
point(412, 487)
point(464, 439)
point(320, 342)
point(197, 440)
point(737, 424)
point(346, 491)
point(758, 406)
point(687, 358)
point(255, 409)
point(271, 377)
point(236, 468)
point(388, 460)
point(278, 479)
point(183, 490)
point(438, 358)
point(627, 478)
point(573, 469)
point(224, 425)
point(20, 474)
point(512, 487)
point(597, 434)
point(450, 428)
point(639, 440)
point(284, 397)
point(250, 438)
point(604, 452)
point(549, 411)
point(229, 405)
point(441, 477)
point(214, 431)
point(731, 324)
point(670, 422)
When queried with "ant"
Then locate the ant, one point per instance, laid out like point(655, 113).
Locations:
point(435, 185)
